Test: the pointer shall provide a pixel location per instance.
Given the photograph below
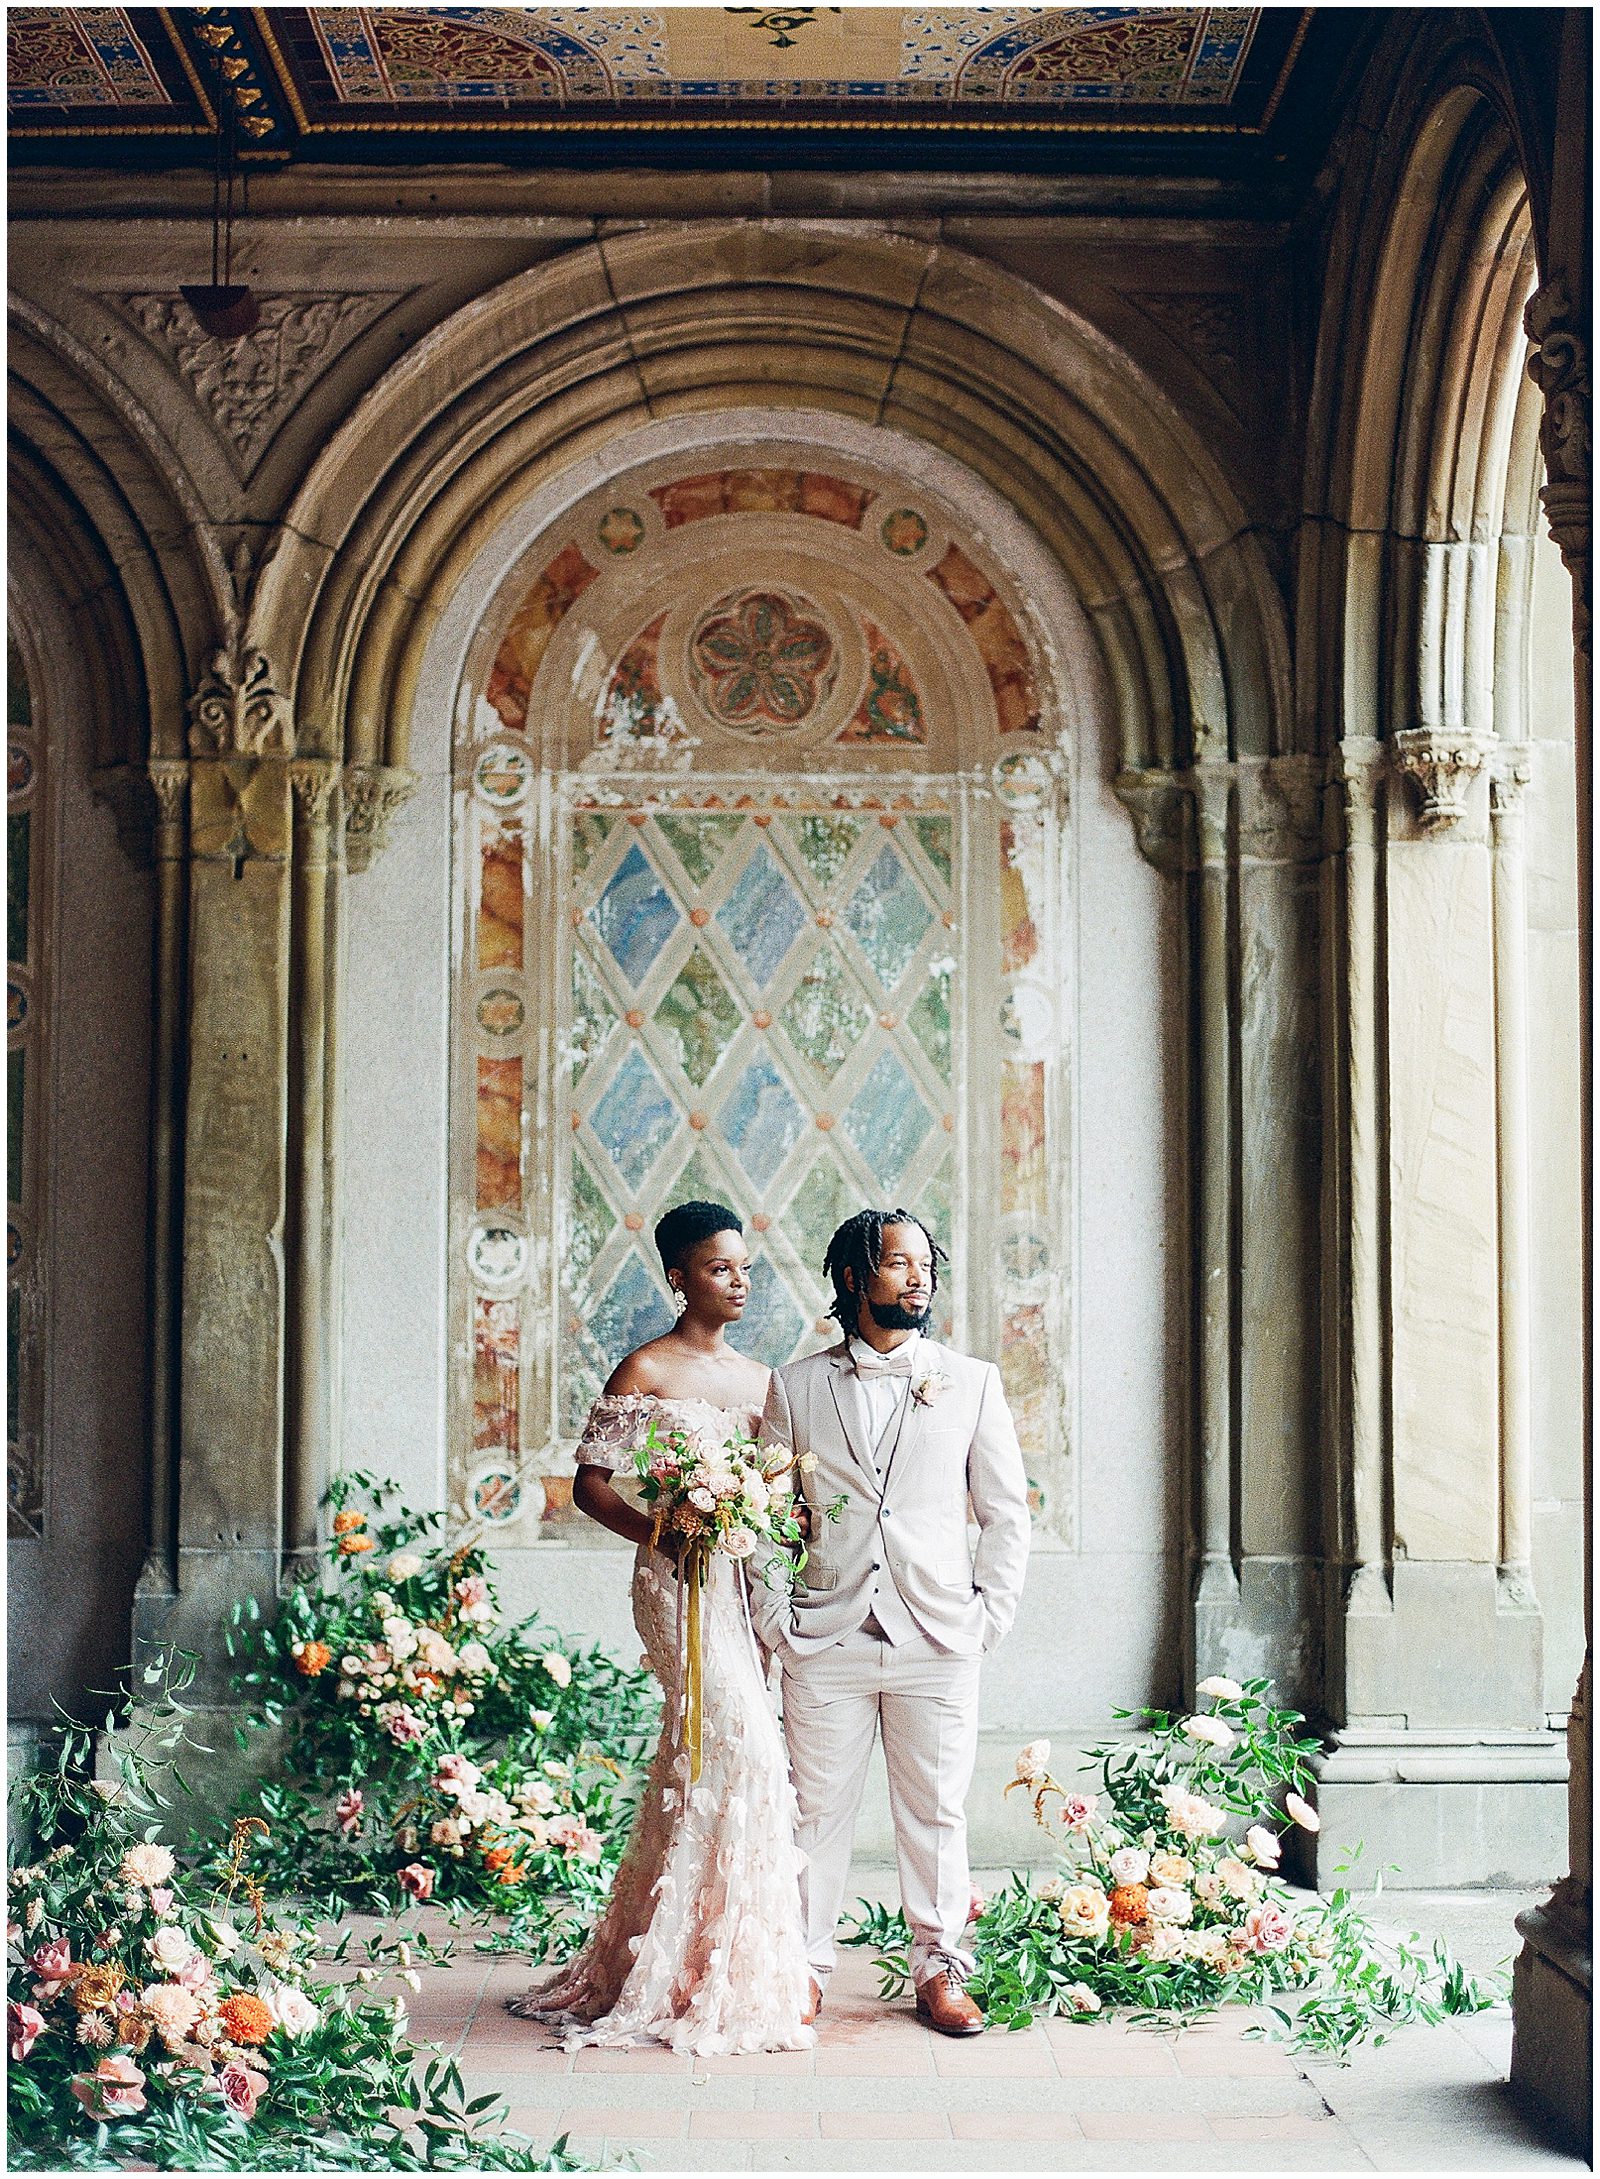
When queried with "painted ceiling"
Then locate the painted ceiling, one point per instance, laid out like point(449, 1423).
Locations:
point(365, 81)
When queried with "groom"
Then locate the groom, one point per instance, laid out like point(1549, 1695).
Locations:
point(894, 1611)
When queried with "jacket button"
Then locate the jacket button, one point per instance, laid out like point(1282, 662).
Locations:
point(875, 1566)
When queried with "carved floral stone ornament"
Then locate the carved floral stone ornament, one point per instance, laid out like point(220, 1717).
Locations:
point(237, 712)
point(1441, 766)
point(1559, 367)
point(372, 794)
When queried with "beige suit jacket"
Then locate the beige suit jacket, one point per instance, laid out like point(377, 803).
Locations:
point(905, 1513)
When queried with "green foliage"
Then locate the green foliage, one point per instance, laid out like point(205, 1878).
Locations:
point(426, 1748)
point(167, 2012)
point(1157, 1909)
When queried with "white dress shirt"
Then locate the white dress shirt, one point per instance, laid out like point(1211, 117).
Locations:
point(884, 1393)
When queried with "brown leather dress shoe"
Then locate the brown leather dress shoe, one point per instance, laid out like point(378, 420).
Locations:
point(813, 2004)
point(944, 2005)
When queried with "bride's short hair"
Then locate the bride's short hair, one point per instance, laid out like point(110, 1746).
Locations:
point(686, 1225)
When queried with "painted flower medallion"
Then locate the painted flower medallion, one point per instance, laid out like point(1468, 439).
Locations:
point(763, 660)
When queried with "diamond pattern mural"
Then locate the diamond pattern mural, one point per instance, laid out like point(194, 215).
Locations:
point(634, 915)
point(825, 1014)
point(697, 1017)
point(635, 1119)
point(887, 1121)
point(889, 917)
point(762, 917)
point(761, 1120)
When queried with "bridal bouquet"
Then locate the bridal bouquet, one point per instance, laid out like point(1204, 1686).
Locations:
point(708, 1494)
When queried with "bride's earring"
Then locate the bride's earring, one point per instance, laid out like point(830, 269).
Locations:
point(680, 1301)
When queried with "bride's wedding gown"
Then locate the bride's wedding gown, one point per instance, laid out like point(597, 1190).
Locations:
point(700, 1945)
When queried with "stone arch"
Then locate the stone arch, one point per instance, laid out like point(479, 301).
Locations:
point(937, 344)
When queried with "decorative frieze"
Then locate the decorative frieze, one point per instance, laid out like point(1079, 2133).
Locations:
point(1441, 767)
point(372, 794)
point(237, 711)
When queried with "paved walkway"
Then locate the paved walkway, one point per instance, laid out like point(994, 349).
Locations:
point(879, 2093)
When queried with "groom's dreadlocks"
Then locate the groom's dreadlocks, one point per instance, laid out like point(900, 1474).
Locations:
point(857, 1247)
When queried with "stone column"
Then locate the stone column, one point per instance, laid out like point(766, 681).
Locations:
point(312, 781)
point(169, 778)
point(1216, 1582)
point(1510, 771)
point(1552, 1991)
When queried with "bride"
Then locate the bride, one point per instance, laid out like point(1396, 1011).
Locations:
point(700, 1944)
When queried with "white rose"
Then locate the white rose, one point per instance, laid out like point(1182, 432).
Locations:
point(1209, 1732)
point(1170, 1869)
point(1168, 1903)
point(1262, 1845)
point(756, 1495)
point(739, 1542)
point(404, 1566)
point(1221, 1689)
point(1166, 1944)
point(1131, 1865)
point(537, 1798)
point(558, 1666)
point(1302, 1813)
point(1080, 1998)
point(294, 2010)
point(1208, 1889)
point(1085, 1911)
point(702, 1500)
point(401, 1637)
point(1210, 1945)
point(171, 1948)
point(473, 1658)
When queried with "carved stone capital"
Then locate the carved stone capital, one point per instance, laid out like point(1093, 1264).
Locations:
point(311, 782)
point(372, 794)
point(1510, 770)
point(1163, 822)
point(169, 779)
point(237, 711)
point(1559, 367)
point(1441, 766)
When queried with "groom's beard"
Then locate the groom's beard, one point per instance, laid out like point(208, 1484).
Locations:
point(890, 1317)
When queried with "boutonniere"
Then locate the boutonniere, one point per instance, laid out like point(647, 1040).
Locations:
point(929, 1387)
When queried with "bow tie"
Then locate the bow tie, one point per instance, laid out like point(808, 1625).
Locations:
point(869, 1363)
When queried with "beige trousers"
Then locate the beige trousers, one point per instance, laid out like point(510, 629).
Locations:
point(925, 1704)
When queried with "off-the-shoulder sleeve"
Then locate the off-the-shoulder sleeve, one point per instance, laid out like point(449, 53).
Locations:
point(617, 1423)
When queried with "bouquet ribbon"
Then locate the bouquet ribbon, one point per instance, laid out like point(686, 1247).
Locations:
point(691, 1678)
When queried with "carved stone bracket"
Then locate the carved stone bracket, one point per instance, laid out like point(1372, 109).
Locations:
point(372, 794)
point(1163, 819)
point(311, 782)
point(237, 711)
point(1442, 768)
point(1510, 771)
point(1559, 367)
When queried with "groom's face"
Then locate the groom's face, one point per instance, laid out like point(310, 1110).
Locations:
point(900, 1292)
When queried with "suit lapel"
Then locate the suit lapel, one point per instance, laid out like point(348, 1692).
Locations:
point(851, 1406)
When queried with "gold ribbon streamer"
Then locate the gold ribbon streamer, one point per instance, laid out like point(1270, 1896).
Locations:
point(692, 1682)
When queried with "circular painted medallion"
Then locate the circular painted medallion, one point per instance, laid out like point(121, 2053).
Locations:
point(1027, 1018)
point(904, 532)
point(498, 1256)
point(1024, 1252)
point(16, 1006)
point(501, 775)
point(762, 661)
point(19, 770)
point(1021, 780)
point(620, 530)
point(13, 1245)
point(495, 1494)
point(500, 1013)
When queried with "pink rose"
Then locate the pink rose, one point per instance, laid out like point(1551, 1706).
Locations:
point(347, 1808)
point(585, 1845)
point(456, 1765)
point(52, 1963)
point(1267, 1929)
point(1077, 1810)
point(401, 1723)
point(115, 2089)
point(161, 1900)
point(241, 2086)
point(417, 1879)
point(472, 1596)
point(976, 1905)
point(195, 1974)
point(24, 2025)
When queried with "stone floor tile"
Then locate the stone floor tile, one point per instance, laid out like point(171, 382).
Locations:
point(631, 2062)
point(905, 2061)
point(881, 2125)
point(1144, 2126)
point(484, 2052)
point(621, 2126)
point(762, 2064)
point(1200, 2058)
point(1014, 2125)
point(1016, 2056)
point(1090, 2050)
point(1271, 2125)
point(752, 2125)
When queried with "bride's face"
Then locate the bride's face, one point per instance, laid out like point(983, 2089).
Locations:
point(715, 1276)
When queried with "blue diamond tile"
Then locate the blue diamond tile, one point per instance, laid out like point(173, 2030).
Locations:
point(889, 917)
point(635, 1119)
point(634, 915)
point(762, 917)
point(887, 1121)
point(761, 1120)
point(632, 1310)
point(772, 1321)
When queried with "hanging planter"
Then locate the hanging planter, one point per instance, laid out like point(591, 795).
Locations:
point(224, 309)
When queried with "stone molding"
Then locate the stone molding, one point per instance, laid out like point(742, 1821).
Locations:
point(248, 387)
point(1441, 767)
point(1559, 367)
point(237, 711)
point(372, 794)
point(1181, 818)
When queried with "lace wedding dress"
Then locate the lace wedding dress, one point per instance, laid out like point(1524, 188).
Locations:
point(700, 1944)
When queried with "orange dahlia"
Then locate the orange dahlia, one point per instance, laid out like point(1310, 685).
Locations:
point(1130, 1904)
point(350, 1545)
point(347, 1520)
point(248, 2019)
point(311, 1658)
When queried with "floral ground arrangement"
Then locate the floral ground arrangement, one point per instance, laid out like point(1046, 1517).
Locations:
point(429, 1749)
point(1168, 1902)
point(160, 2012)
